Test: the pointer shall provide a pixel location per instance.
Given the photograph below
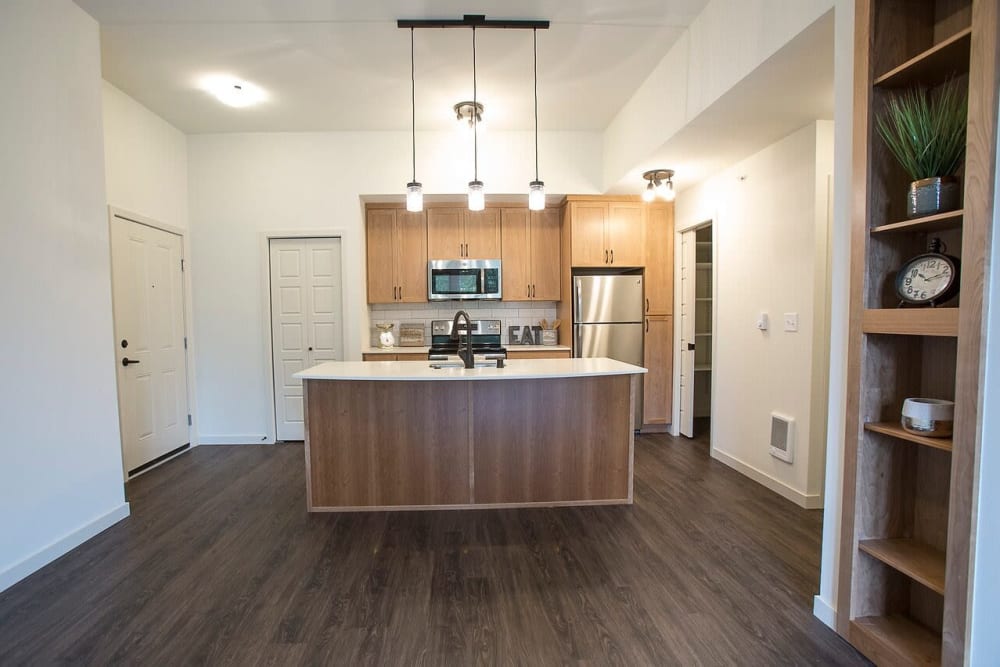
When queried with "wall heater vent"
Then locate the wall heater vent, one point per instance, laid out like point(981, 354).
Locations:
point(782, 431)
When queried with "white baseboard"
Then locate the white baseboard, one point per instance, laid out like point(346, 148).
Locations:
point(824, 612)
point(64, 545)
point(251, 439)
point(807, 501)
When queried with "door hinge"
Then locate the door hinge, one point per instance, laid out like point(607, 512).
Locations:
point(185, 342)
point(182, 265)
point(189, 420)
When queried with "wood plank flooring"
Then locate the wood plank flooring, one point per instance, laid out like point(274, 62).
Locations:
point(220, 564)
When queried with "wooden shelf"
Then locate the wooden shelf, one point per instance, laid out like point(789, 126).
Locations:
point(703, 368)
point(933, 65)
point(703, 298)
point(894, 640)
point(703, 265)
point(897, 431)
point(928, 223)
point(917, 561)
point(911, 321)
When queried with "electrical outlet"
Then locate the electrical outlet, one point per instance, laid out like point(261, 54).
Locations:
point(791, 321)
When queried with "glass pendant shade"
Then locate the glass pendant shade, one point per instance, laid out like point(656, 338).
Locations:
point(668, 191)
point(649, 194)
point(414, 197)
point(477, 199)
point(536, 196)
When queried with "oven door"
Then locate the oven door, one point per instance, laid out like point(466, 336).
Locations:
point(463, 279)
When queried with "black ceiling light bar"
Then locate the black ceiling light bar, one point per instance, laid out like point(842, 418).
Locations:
point(477, 21)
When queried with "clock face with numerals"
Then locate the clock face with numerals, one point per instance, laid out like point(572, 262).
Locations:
point(927, 278)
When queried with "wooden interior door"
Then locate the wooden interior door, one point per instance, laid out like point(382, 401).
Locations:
point(482, 234)
point(588, 220)
point(688, 338)
point(147, 288)
point(659, 260)
point(545, 255)
point(381, 255)
point(445, 233)
point(626, 234)
point(658, 383)
point(411, 257)
point(516, 254)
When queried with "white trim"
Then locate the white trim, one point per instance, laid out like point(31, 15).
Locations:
point(824, 612)
point(248, 439)
point(63, 545)
point(808, 501)
point(187, 304)
point(264, 243)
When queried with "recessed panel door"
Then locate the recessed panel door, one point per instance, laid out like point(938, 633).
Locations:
point(688, 338)
point(147, 288)
point(306, 321)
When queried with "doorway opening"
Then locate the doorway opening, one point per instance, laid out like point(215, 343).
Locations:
point(697, 330)
point(306, 302)
point(147, 265)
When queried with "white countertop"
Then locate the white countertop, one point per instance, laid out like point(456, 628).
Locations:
point(515, 369)
point(424, 349)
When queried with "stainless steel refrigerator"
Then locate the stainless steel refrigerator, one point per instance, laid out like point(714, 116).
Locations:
point(607, 321)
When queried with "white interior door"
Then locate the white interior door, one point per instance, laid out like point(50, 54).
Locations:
point(306, 321)
point(687, 327)
point(148, 293)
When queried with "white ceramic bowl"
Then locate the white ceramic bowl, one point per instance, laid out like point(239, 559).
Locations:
point(931, 417)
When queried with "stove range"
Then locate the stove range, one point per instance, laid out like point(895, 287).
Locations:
point(485, 337)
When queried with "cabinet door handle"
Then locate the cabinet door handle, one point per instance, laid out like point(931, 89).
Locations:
point(647, 305)
point(527, 291)
point(532, 292)
point(612, 255)
point(605, 256)
point(400, 292)
point(647, 325)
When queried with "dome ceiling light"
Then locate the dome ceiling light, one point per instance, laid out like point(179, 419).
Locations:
point(659, 183)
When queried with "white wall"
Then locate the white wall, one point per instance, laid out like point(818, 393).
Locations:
point(145, 160)
point(244, 184)
point(726, 42)
point(769, 216)
point(61, 478)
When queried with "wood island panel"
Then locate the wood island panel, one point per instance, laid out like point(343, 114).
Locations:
point(533, 445)
point(362, 449)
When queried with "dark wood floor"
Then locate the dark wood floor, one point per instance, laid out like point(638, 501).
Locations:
point(219, 563)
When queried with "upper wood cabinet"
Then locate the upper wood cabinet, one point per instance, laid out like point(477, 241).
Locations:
point(457, 233)
point(397, 256)
point(607, 233)
point(530, 253)
point(659, 260)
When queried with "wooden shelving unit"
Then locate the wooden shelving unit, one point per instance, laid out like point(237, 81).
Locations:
point(907, 500)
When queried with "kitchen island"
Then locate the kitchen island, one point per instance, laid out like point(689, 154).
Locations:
point(400, 435)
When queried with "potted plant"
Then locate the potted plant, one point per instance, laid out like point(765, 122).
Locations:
point(925, 131)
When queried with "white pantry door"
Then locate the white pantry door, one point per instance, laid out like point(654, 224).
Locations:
point(688, 294)
point(148, 293)
point(306, 321)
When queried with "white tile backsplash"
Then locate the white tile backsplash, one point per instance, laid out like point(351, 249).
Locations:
point(510, 313)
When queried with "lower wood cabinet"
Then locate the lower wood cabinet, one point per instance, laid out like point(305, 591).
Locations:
point(404, 356)
point(538, 354)
point(658, 383)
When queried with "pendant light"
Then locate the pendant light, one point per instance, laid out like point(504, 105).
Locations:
point(414, 190)
point(660, 183)
point(536, 188)
point(477, 199)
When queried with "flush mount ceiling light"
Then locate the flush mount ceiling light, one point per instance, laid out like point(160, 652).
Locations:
point(659, 183)
point(232, 91)
point(472, 112)
point(463, 111)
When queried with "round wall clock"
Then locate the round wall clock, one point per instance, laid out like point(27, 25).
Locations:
point(928, 279)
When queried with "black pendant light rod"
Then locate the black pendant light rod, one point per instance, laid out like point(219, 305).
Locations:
point(475, 115)
point(473, 21)
point(413, 108)
point(534, 48)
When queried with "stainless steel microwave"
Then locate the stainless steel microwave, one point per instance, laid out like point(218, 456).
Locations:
point(450, 279)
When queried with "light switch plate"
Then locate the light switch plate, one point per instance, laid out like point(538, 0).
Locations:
point(791, 321)
point(762, 322)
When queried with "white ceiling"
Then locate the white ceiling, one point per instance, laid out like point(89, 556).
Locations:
point(344, 65)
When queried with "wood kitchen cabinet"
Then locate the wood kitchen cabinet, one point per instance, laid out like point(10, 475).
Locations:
point(530, 253)
point(457, 233)
point(658, 383)
point(606, 234)
point(659, 259)
point(397, 256)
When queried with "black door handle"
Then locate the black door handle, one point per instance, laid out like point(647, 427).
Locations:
point(690, 346)
point(128, 362)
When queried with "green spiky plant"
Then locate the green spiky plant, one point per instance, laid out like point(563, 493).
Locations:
point(925, 131)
